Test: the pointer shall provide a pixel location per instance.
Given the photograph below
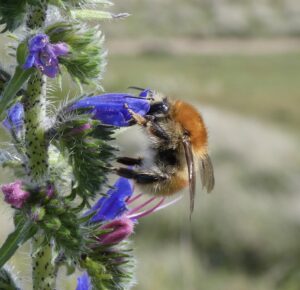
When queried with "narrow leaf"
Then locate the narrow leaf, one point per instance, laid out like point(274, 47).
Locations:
point(87, 14)
point(100, 2)
point(14, 85)
point(19, 236)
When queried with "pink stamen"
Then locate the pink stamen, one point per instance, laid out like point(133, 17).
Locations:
point(146, 212)
point(141, 206)
point(168, 203)
point(131, 200)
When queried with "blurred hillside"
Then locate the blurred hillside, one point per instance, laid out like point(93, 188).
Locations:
point(207, 18)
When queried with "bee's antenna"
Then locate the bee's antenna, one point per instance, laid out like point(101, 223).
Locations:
point(136, 88)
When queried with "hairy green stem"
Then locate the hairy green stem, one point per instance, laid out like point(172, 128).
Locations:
point(35, 116)
point(43, 271)
point(36, 15)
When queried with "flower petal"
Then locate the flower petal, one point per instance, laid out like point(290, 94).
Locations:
point(38, 42)
point(14, 194)
point(112, 109)
point(51, 70)
point(145, 93)
point(84, 282)
point(60, 48)
point(121, 229)
point(114, 204)
point(15, 118)
point(29, 61)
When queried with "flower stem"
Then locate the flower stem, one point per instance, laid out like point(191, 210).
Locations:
point(36, 14)
point(43, 270)
point(35, 115)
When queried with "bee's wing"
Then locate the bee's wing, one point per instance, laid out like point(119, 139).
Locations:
point(191, 171)
point(207, 173)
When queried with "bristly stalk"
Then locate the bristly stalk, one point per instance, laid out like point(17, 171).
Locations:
point(35, 114)
point(36, 14)
point(43, 272)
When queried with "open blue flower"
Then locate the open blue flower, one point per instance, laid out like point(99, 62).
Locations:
point(15, 118)
point(84, 282)
point(44, 56)
point(112, 108)
point(113, 205)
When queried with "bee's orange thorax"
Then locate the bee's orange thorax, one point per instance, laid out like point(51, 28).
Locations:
point(190, 120)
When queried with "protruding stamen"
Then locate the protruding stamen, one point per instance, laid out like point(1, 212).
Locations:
point(132, 199)
point(141, 206)
point(147, 212)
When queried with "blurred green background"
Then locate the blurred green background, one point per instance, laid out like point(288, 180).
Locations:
point(238, 61)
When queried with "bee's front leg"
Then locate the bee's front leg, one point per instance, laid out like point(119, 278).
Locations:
point(149, 122)
point(130, 161)
point(139, 119)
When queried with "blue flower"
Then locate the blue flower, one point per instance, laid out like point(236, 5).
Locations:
point(44, 55)
point(112, 108)
point(113, 205)
point(84, 282)
point(15, 118)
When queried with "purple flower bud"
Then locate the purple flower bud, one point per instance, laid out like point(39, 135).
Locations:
point(14, 194)
point(50, 190)
point(84, 282)
point(44, 56)
point(81, 129)
point(121, 229)
point(15, 118)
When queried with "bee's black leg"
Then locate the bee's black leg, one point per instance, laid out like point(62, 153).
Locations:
point(148, 121)
point(130, 161)
point(157, 130)
point(142, 177)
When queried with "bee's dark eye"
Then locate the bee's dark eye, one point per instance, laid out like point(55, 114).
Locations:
point(159, 108)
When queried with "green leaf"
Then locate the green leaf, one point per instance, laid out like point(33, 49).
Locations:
point(23, 231)
point(89, 14)
point(14, 85)
point(100, 2)
point(22, 52)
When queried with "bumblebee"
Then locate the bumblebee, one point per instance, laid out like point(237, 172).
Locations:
point(178, 148)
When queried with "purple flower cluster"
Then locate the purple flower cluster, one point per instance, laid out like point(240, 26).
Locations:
point(115, 211)
point(44, 56)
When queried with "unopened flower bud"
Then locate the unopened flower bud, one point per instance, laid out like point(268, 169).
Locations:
point(50, 191)
point(81, 129)
point(121, 229)
point(38, 213)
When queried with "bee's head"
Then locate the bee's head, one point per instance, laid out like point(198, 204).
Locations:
point(159, 104)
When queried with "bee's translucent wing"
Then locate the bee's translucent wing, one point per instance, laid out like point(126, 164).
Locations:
point(191, 171)
point(207, 173)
